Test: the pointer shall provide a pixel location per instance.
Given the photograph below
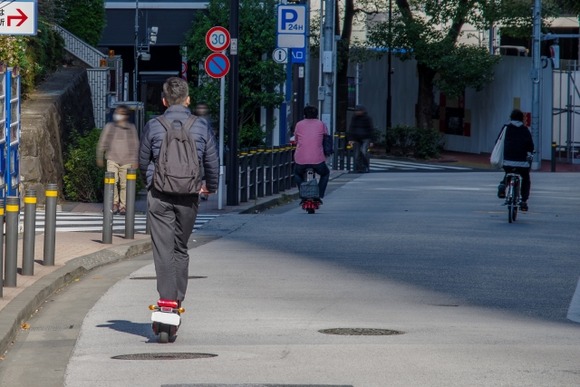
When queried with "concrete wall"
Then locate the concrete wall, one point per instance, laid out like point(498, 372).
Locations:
point(58, 105)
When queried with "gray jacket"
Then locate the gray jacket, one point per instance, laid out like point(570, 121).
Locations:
point(154, 133)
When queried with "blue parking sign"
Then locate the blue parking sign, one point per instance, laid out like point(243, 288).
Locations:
point(291, 30)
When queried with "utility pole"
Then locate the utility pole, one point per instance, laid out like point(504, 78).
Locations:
point(536, 83)
point(328, 65)
point(233, 89)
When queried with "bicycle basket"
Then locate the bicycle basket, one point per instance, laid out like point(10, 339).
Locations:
point(309, 190)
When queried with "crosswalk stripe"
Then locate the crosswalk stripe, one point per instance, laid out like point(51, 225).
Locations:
point(93, 222)
point(377, 164)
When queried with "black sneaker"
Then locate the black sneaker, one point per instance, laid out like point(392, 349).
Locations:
point(523, 206)
point(501, 191)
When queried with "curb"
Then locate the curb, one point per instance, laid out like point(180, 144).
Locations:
point(31, 299)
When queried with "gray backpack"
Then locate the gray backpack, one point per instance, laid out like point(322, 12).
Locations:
point(177, 169)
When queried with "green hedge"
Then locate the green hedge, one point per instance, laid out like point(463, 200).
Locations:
point(410, 141)
point(83, 181)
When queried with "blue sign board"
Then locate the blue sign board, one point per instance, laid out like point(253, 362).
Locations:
point(291, 30)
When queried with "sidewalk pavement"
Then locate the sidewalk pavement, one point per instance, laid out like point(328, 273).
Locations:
point(76, 253)
point(79, 252)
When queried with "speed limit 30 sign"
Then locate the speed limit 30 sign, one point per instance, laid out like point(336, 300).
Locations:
point(217, 39)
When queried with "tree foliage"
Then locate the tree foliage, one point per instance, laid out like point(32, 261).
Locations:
point(84, 18)
point(259, 75)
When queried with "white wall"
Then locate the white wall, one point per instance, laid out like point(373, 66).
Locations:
point(489, 108)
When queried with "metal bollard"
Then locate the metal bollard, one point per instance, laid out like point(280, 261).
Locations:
point(553, 163)
point(1, 247)
point(130, 214)
point(108, 207)
point(51, 195)
point(12, 209)
point(29, 232)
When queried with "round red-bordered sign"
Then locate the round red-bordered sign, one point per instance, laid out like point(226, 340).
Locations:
point(217, 39)
point(217, 65)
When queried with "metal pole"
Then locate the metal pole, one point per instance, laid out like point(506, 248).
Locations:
point(136, 74)
point(389, 72)
point(51, 195)
point(1, 248)
point(108, 207)
point(130, 214)
point(221, 144)
point(232, 175)
point(307, 58)
point(12, 209)
point(328, 64)
point(536, 68)
point(29, 232)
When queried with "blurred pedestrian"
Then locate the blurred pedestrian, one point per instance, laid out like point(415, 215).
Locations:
point(202, 110)
point(119, 145)
point(360, 134)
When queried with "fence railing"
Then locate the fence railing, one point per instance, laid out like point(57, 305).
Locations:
point(269, 171)
point(79, 48)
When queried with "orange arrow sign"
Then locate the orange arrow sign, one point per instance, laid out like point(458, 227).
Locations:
point(22, 17)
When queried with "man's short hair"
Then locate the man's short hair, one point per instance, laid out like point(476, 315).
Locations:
point(517, 115)
point(175, 91)
point(310, 112)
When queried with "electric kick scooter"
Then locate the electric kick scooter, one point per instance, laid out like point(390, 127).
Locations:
point(166, 318)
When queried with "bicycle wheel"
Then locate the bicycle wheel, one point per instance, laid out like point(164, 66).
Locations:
point(511, 205)
point(516, 202)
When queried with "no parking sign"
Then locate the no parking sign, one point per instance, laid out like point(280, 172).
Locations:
point(217, 65)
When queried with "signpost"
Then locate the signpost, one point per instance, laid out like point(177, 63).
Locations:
point(217, 65)
point(18, 17)
point(217, 39)
point(291, 31)
point(280, 55)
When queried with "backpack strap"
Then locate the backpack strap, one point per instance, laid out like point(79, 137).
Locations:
point(188, 124)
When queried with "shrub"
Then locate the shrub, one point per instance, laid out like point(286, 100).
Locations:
point(83, 181)
point(251, 135)
point(411, 141)
point(84, 18)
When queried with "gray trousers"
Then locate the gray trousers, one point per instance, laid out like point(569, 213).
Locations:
point(171, 220)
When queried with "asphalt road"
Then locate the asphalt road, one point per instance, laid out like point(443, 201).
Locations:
point(478, 301)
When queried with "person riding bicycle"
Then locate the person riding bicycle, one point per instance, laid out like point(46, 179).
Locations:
point(309, 151)
point(517, 155)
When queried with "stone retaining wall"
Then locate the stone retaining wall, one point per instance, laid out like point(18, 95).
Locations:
point(58, 105)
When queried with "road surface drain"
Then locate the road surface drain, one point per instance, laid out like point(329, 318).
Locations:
point(164, 356)
point(152, 277)
point(360, 332)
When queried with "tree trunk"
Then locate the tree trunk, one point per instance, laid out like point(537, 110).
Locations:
point(425, 99)
point(342, 66)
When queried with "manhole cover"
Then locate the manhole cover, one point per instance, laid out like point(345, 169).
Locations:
point(360, 332)
point(164, 356)
point(152, 277)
